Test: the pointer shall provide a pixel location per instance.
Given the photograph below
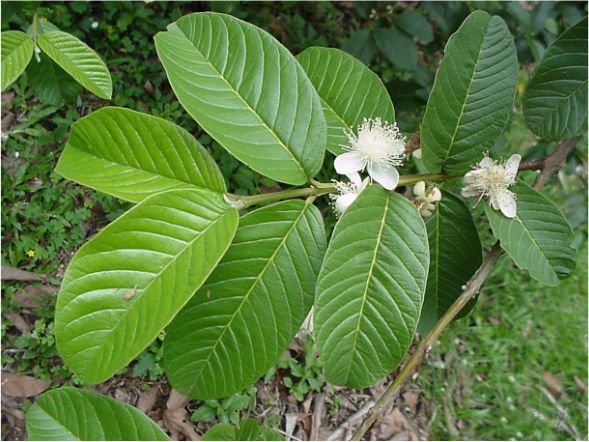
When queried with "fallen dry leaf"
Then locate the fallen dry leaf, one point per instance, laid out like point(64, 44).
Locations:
point(18, 321)
point(553, 384)
point(148, 399)
point(30, 296)
point(175, 417)
point(22, 386)
point(14, 274)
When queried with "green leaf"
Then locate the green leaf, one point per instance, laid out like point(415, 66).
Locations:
point(455, 255)
point(79, 60)
point(51, 83)
point(397, 47)
point(248, 92)
point(251, 306)
point(416, 25)
point(538, 238)
point(73, 414)
point(472, 95)
point(555, 102)
point(361, 45)
point(370, 288)
point(128, 282)
point(132, 155)
point(220, 432)
point(349, 92)
point(17, 50)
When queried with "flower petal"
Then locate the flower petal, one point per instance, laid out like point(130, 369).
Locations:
point(385, 175)
point(348, 163)
point(419, 189)
point(486, 162)
point(506, 202)
point(511, 166)
point(469, 191)
point(342, 202)
point(355, 179)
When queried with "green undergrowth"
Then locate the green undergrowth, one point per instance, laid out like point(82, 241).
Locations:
point(485, 377)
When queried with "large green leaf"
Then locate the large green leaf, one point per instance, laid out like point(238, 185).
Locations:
point(128, 282)
point(79, 60)
point(132, 155)
point(455, 254)
point(73, 414)
point(248, 92)
point(538, 239)
point(555, 103)
point(17, 50)
point(349, 92)
point(235, 328)
point(51, 83)
point(472, 95)
point(370, 288)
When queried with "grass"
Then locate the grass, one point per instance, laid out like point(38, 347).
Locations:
point(485, 375)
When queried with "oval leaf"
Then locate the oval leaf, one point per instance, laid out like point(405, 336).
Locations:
point(248, 92)
point(132, 155)
point(79, 60)
point(73, 414)
point(349, 92)
point(370, 288)
point(51, 83)
point(538, 239)
point(128, 282)
point(555, 103)
point(472, 95)
point(252, 304)
point(455, 255)
point(17, 50)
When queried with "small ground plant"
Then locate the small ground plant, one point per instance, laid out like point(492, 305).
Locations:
point(232, 284)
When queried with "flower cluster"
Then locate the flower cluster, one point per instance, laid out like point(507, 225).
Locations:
point(492, 179)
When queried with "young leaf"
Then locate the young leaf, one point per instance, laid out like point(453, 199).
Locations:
point(79, 60)
point(472, 95)
point(370, 288)
point(455, 254)
point(555, 103)
point(132, 155)
point(349, 92)
point(248, 92)
point(252, 304)
point(17, 50)
point(538, 239)
point(51, 83)
point(248, 429)
point(361, 45)
point(73, 414)
point(162, 249)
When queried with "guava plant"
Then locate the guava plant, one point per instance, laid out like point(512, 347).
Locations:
point(58, 56)
point(232, 284)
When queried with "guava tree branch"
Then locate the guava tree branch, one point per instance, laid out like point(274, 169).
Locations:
point(550, 165)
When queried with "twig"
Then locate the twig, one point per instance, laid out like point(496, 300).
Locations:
point(318, 412)
point(336, 435)
point(554, 162)
point(290, 436)
point(532, 165)
point(551, 165)
point(472, 288)
point(569, 427)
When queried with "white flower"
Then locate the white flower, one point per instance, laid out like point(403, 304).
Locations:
point(347, 193)
point(378, 147)
point(417, 154)
point(94, 25)
point(491, 179)
point(424, 200)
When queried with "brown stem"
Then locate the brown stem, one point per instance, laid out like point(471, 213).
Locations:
point(550, 165)
point(532, 165)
